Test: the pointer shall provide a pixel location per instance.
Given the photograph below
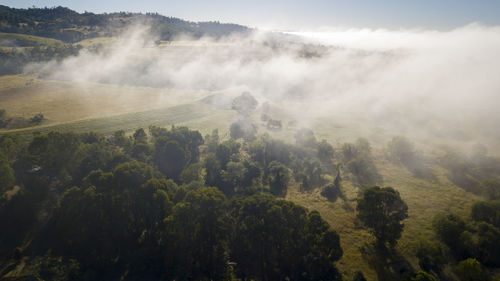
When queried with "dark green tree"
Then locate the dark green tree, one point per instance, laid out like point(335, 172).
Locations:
point(278, 240)
point(487, 211)
point(358, 276)
point(198, 231)
point(235, 131)
point(382, 210)
point(140, 135)
point(431, 256)
point(191, 173)
point(325, 153)
point(6, 174)
point(449, 228)
point(279, 176)
point(170, 157)
point(470, 270)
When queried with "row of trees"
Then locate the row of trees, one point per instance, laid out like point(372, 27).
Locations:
point(13, 61)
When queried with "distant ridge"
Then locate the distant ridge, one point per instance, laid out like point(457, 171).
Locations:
point(69, 26)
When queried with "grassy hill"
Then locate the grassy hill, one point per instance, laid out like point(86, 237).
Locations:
point(24, 40)
point(69, 26)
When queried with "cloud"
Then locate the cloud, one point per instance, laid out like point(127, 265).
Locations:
point(405, 80)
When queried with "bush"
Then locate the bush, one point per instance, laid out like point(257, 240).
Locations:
point(470, 270)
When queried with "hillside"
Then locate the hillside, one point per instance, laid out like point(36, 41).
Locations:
point(70, 26)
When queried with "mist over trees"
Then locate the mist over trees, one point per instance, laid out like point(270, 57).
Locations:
point(141, 206)
point(264, 198)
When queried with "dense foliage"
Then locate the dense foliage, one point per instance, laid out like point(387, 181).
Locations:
point(382, 210)
point(140, 207)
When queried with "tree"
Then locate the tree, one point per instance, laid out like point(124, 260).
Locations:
point(6, 174)
point(223, 153)
point(325, 153)
point(236, 131)
point(358, 160)
point(382, 210)
point(278, 240)
point(401, 150)
point(191, 173)
point(244, 104)
point(198, 231)
point(358, 276)
point(213, 169)
point(333, 190)
point(140, 135)
point(431, 256)
point(470, 270)
point(488, 244)
point(279, 176)
point(170, 157)
point(449, 228)
point(492, 188)
point(488, 211)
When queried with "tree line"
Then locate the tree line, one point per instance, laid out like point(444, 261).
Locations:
point(171, 204)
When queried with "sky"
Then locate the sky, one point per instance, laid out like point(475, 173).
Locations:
point(299, 15)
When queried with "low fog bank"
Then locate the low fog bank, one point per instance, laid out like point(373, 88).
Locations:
point(443, 84)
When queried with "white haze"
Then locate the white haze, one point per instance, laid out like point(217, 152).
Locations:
point(408, 80)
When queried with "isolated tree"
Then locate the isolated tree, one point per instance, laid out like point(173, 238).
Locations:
point(333, 190)
point(358, 160)
point(382, 210)
point(401, 150)
point(244, 104)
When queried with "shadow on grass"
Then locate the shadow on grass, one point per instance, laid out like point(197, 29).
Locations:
point(386, 262)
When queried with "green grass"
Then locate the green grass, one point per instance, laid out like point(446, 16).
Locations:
point(425, 199)
point(196, 115)
point(64, 101)
point(23, 40)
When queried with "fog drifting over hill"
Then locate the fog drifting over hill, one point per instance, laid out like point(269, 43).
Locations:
point(439, 82)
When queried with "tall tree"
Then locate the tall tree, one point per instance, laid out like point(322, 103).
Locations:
point(382, 210)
